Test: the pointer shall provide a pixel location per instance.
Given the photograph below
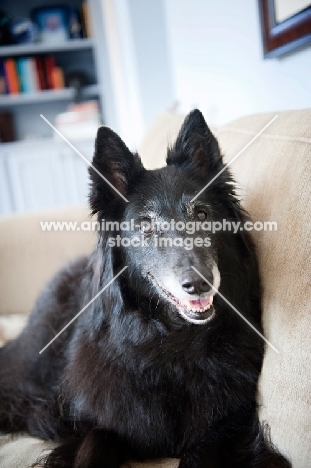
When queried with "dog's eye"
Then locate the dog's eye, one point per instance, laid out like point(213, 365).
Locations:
point(201, 215)
point(146, 227)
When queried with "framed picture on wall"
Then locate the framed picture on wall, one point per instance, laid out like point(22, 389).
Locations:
point(285, 25)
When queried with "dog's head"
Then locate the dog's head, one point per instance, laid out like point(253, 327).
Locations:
point(165, 218)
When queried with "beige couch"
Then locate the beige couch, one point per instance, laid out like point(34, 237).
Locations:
point(274, 175)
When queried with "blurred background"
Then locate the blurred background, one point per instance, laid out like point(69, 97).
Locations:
point(121, 63)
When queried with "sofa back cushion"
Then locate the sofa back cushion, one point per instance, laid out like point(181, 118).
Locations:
point(29, 256)
point(274, 175)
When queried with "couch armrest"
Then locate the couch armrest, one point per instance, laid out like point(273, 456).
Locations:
point(29, 256)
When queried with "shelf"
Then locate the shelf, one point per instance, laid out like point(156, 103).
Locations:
point(9, 100)
point(41, 48)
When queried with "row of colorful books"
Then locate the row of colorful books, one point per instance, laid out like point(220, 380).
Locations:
point(30, 74)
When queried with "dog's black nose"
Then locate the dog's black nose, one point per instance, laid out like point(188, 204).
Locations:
point(192, 283)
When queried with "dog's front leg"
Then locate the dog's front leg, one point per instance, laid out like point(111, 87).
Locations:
point(203, 457)
point(97, 449)
point(243, 445)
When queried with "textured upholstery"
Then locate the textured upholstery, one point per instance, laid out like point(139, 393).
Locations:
point(274, 177)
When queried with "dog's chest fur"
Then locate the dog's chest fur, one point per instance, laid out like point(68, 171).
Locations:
point(156, 397)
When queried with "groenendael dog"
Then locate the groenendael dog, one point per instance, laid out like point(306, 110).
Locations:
point(159, 365)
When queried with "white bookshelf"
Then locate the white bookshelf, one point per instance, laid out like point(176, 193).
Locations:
point(39, 48)
point(37, 171)
point(53, 95)
point(73, 56)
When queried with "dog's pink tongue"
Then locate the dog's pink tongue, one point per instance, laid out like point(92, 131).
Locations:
point(201, 303)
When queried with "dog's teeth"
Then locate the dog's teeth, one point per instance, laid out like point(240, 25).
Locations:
point(200, 309)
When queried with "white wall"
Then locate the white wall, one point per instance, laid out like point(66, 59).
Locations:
point(139, 66)
point(152, 57)
point(217, 61)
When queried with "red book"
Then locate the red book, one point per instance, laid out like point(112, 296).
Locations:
point(11, 76)
point(40, 73)
point(49, 67)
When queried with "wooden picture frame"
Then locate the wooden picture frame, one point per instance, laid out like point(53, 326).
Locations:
point(284, 37)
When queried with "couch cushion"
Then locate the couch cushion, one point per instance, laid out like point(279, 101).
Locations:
point(274, 175)
point(21, 451)
point(161, 134)
point(30, 256)
point(10, 326)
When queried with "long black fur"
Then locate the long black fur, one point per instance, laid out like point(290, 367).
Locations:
point(131, 378)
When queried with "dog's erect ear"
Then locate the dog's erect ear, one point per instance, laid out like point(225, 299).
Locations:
point(195, 145)
point(115, 162)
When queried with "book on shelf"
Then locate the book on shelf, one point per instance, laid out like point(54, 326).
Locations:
point(85, 13)
point(39, 61)
point(11, 76)
point(20, 66)
point(79, 122)
point(3, 80)
point(7, 131)
point(58, 78)
point(30, 74)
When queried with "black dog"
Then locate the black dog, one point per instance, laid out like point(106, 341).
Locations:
point(159, 365)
